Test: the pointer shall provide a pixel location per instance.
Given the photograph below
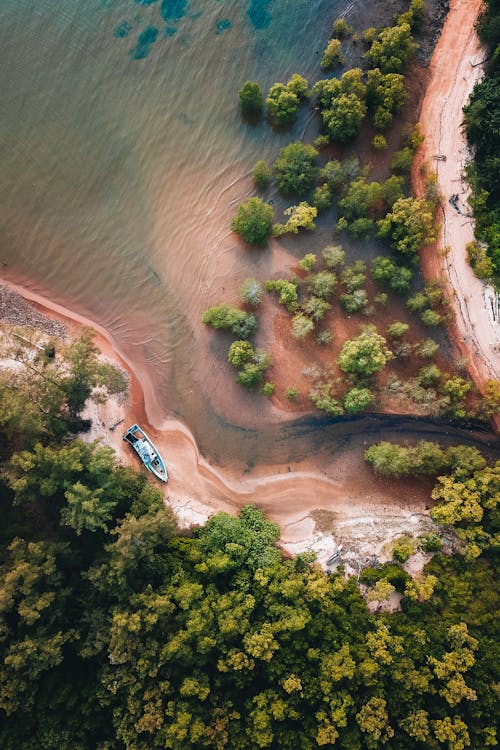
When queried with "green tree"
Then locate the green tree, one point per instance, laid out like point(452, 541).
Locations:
point(224, 317)
point(357, 400)
point(295, 168)
point(251, 100)
point(261, 175)
point(365, 354)
point(253, 221)
point(287, 292)
point(302, 326)
point(342, 119)
point(300, 217)
point(332, 55)
point(409, 225)
point(392, 49)
point(322, 284)
point(251, 292)
point(387, 273)
point(240, 352)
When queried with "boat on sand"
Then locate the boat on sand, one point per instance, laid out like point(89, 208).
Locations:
point(147, 451)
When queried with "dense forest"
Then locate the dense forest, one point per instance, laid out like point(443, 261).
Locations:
point(482, 122)
point(118, 630)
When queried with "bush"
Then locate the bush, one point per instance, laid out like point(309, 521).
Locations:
point(307, 262)
point(333, 256)
point(268, 389)
point(427, 349)
point(430, 542)
point(239, 353)
point(397, 330)
point(387, 273)
point(479, 261)
point(251, 100)
point(403, 548)
point(355, 301)
point(431, 318)
point(381, 299)
point(253, 221)
point(251, 292)
point(324, 338)
point(365, 354)
point(341, 28)
point(392, 49)
point(323, 399)
point(250, 376)
point(357, 400)
point(301, 326)
point(322, 197)
point(429, 376)
point(300, 217)
point(379, 143)
point(316, 308)
point(332, 55)
point(295, 168)
point(323, 284)
point(261, 175)
point(287, 292)
point(224, 317)
point(291, 393)
point(402, 161)
point(354, 277)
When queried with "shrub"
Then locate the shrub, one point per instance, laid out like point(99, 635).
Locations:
point(429, 376)
point(397, 330)
point(357, 400)
point(403, 548)
point(355, 301)
point(430, 542)
point(261, 175)
point(291, 393)
point(301, 326)
point(324, 338)
point(392, 49)
point(282, 105)
point(316, 307)
point(479, 261)
point(239, 353)
point(268, 389)
point(332, 55)
point(409, 225)
point(381, 299)
point(322, 197)
point(300, 217)
point(323, 284)
point(287, 292)
point(431, 318)
point(295, 168)
point(353, 277)
point(402, 161)
point(379, 143)
point(322, 398)
point(240, 323)
point(251, 292)
point(253, 221)
point(307, 262)
point(387, 273)
point(333, 256)
point(341, 28)
point(426, 349)
point(365, 354)
point(251, 100)
point(250, 376)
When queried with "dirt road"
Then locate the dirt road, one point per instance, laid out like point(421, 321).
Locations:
point(455, 67)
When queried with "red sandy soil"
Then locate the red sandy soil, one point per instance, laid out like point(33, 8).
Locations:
point(455, 67)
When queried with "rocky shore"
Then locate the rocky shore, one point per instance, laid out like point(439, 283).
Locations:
point(15, 310)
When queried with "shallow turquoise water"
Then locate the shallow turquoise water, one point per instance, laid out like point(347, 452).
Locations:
point(123, 158)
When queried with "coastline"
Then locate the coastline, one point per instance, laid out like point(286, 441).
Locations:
point(473, 331)
point(342, 484)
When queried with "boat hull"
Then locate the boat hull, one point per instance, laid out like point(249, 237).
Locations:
point(147, 452)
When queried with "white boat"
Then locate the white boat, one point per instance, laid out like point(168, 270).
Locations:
point(147, 451)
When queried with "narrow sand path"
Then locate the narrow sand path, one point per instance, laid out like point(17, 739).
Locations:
point(455, 68)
